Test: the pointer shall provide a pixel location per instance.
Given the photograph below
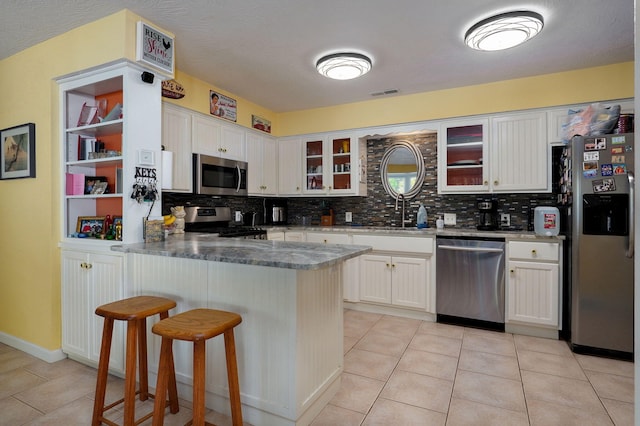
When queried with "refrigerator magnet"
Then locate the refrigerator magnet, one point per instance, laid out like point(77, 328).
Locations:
point(590, 145)
point(617, 159)
point(601, 143)
point(617, 150)
point(618, 140)
point(619, 169)
point(590, 173)
point(591, 156)
point(604, 185)
point(590, 165)
point(628, 148)
point(606, 169)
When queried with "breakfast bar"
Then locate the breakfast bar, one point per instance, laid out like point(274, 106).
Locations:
point(289, 294)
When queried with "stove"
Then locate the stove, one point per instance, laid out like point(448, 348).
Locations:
point(216, 220)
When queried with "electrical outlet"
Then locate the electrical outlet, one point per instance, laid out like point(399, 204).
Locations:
point(449, 218)
point(505, 220)
point(348, 217)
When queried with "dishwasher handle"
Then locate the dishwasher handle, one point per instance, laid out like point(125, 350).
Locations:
point(472, 249)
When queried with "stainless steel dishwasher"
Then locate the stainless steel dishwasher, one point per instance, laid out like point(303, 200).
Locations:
point(470, 281)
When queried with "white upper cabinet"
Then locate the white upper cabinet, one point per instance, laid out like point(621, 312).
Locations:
point(462, 156)
point(505, 153)
point(210, 136)
point(263, 164)
point(176, 138)
point(331, 164)
point(290, 166)
point(520, 156)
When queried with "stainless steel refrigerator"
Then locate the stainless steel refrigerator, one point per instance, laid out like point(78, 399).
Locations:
point(602, 244)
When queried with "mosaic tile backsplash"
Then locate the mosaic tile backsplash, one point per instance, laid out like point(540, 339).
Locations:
point(378, 208)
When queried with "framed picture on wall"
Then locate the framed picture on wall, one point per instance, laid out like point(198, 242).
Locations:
point(18, 155)
point(155, 48)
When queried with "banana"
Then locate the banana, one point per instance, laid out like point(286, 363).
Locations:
point(169, 219)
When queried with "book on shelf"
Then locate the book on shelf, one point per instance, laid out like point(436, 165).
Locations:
point(88, 115)
point(88, 145)
point(75, 183)
point(114, 114)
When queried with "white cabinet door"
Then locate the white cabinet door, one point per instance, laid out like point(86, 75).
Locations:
point(520, 155)
point(328, 238)
point(463, 153)
point(88, 281)
point(261, 156)
point(205, 135)
point(290, 166)
point(375, 278)
point(107, 286)
point(533, 293)
point(275, 235)
point(75, 304)
point(176, 138)
point(232, 142)
point(409, 278)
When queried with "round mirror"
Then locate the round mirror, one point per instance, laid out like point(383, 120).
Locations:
point(402, 170)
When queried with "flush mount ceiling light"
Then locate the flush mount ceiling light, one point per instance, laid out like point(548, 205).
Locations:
point(343, 66)
point(504, 31)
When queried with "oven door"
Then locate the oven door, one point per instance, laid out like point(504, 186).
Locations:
point(219, 176)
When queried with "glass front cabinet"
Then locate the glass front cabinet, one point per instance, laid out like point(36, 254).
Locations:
point(462, 152)
point(331, 165)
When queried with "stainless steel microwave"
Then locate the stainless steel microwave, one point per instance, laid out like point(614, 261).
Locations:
point(219, 176)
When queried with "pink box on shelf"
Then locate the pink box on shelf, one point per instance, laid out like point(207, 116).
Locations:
point(75, 183)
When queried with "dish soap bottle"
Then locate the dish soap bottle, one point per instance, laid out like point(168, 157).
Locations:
point(422, 217)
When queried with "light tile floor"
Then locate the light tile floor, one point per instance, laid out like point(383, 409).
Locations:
point(400, 371)
point(397, 371)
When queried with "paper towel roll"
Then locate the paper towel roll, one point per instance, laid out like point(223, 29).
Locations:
point(167, 170)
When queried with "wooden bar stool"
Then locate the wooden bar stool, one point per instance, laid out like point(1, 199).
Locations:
point(135, 311)
point(197, 326)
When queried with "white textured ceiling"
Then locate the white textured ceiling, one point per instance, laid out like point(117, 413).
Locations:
point(265, 50)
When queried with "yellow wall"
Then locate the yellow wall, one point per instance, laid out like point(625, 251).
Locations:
point(30, 208)
point(197, 99)
point(586, 85)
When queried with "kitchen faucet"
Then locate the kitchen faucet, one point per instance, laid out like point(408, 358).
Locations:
point(402, 217)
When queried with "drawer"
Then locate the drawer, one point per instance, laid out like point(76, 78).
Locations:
point(328, 238)
point(534, 251)
point(400, 244)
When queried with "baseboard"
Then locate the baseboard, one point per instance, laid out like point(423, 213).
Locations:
point(33, 350)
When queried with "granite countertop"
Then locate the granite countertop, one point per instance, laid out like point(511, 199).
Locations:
point(415, 232)
point(278, 254)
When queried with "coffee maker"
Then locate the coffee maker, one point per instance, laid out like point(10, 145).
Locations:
point(275, 212)
point(488, 216)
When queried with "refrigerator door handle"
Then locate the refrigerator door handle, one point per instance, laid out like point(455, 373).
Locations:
point(632, 230)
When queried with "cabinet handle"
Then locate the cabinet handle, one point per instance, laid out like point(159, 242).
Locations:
point(393, 265)
point(388, 265)
point(534, 253)
point(325, 241)
point(486, 182)
point(89, 266)
point(297, 188)
point(495, 182)
point(512, 271)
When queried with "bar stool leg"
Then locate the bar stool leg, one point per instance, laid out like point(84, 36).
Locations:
point(232, 377)
point(103, 371)
point(130, 373)
point(142, 359)
point(198, 381)
point(164, 376)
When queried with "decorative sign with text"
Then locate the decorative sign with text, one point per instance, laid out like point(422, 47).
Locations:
point(155, 48)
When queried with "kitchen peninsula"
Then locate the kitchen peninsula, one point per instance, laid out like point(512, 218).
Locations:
point(289, 345)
